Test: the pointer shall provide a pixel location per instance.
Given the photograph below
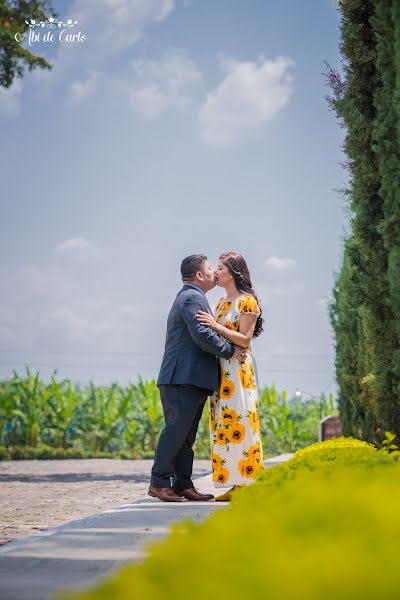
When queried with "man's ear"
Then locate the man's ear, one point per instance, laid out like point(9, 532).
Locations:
point(200, 275)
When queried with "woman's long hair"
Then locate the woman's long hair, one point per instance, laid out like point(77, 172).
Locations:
point(239, 270)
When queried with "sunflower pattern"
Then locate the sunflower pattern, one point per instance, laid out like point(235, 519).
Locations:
point(234, 416)
point(247, 376)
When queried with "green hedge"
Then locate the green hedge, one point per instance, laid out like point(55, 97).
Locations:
point(323, 525)
point(45, 452)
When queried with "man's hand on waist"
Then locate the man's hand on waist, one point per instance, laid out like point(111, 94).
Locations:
point(240, 353)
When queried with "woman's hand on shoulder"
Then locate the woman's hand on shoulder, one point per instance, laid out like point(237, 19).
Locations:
point(206, 318)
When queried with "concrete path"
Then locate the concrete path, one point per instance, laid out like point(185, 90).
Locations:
point(81, 552)
point(49, 493)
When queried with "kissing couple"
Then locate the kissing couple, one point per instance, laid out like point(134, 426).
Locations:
point(209, 356)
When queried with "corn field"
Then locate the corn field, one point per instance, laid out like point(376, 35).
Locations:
point(62, 419)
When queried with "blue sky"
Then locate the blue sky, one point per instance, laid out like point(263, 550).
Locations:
point(177, 127)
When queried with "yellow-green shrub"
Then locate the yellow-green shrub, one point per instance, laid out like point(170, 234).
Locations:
point(325, 455)
point(323, 525)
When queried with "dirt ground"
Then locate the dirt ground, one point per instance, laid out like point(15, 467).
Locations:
point(38, 494)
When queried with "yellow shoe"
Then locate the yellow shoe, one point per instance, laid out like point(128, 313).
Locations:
point(225, 497)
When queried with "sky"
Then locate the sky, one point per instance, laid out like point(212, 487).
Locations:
point(174, 127)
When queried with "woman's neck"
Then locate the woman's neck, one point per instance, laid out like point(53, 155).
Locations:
point(232, 291)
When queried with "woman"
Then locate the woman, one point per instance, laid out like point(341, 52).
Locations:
point(234, 416)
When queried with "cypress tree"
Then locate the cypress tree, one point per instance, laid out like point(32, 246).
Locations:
point(370, 261)
point(386, 145)
point(344, 318)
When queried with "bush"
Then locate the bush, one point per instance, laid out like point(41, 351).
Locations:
point(323, 525)
point(44, 452)
point(87, 421)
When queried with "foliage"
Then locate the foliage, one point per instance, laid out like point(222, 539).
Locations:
point(60, 419)
point(286, 425)
point(345, 320)
point(366, 307)
point(44, 452)
point(317, 526)
point(13, 56)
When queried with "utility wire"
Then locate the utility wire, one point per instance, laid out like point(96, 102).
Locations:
point(130, 353)
point(131, 367)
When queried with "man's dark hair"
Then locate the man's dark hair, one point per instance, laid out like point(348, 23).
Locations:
point(190, 265)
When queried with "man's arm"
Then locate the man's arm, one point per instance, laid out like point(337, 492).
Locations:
point(204, 337)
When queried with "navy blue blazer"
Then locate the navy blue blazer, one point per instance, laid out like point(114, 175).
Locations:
point(192, 349)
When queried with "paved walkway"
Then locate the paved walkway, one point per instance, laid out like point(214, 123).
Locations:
point(80, 552)
point(48, 493)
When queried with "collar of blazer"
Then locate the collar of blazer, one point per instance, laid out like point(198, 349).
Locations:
point(196, 287)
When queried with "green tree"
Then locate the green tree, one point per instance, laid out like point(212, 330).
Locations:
point(386, 146)
point(345, 319)
point(13, 56)
point(367, 302)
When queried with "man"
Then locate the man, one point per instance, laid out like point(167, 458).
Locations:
point(189, 373)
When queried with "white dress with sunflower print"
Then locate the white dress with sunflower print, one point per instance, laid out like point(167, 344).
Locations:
point(234, 416)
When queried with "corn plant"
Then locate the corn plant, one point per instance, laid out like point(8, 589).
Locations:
point(149, 412)
point(8, 419)
point(63, 402)
point(105, 416)
point(31, 396)
point(129, 419)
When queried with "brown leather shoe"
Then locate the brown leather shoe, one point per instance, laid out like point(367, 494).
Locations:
point(166, 494)
point(195, 495)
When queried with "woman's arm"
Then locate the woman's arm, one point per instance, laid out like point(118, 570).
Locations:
point(202, 336)
point(239, 338)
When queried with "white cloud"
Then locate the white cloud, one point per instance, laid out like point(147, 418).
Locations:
point(99, 319)
point(76, 251)
point(116, 25)
point(10, 99)
point(51, 307)
point(111, 27)
point(250, 94)
point(79, 243)
point(168, 83)
point(80, 89)
point(276, 264)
